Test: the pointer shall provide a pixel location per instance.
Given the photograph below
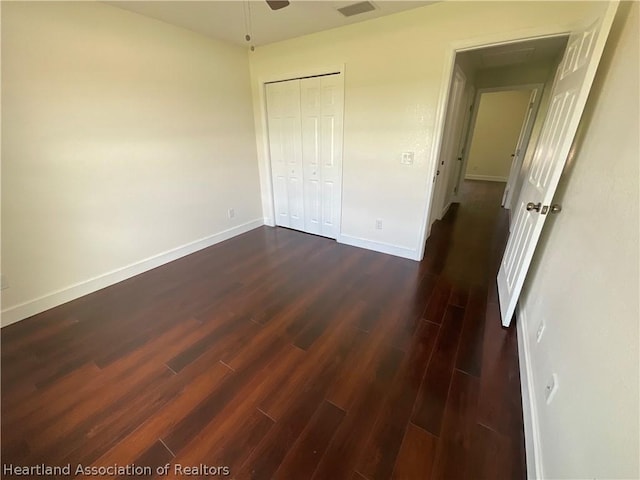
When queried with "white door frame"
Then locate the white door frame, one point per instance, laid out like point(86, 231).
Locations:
point(493, 40)
point(264, 128)
point(474, 117)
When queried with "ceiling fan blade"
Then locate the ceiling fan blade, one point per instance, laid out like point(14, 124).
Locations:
point(277, 4)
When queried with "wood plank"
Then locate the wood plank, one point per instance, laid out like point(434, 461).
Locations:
point(303, 458)
point(384, 444)
point(202, 385)
point(270, 453)
point(155, 456)
point(432, 397)
point(240, 426)
point(438, 301)
point(460, 417)
point(416, 456)
point(470, 351)
point(341, 457)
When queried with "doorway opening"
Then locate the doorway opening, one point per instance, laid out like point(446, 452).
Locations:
point(536, 174)
point(498, 98)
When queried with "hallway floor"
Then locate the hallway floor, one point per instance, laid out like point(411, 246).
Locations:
point(279, 354)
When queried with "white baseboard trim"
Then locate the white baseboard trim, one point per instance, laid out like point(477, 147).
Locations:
point(445, 210)
point(53, 299)
point(529, 411)
point(381, 247)
point(486, 178)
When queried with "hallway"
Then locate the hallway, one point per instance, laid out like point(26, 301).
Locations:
point(282, 355)
point(485, 435)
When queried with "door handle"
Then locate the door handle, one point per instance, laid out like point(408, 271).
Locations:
point(555, 208)
point(534, 206)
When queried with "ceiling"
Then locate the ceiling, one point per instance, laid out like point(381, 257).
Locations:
point(225, 20)
point(529, 51)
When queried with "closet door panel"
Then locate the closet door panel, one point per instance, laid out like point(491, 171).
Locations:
point(332, 105)
point(285, 144)
point(310, 91)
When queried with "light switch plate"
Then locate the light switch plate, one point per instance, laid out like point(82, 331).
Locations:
point(407, 158)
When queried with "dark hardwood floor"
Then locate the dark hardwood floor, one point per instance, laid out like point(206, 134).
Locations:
point(281, 355)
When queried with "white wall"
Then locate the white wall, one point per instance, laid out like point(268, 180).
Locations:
point(495, 135)
point(585, 283)
point(395, 70)
point(123, 138)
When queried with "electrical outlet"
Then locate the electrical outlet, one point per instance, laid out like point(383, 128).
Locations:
point(4, 282)
point(551, 388)
point(231, 213)
point(540, 331)
point(379, 224)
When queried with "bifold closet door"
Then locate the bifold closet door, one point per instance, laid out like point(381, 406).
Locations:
point(285, 144)
point(305, 141)
point(322, 109)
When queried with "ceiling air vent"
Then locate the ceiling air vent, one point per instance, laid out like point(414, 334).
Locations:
point(356, 9)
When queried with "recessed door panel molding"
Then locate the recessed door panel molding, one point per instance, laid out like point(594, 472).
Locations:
point(282, 205)
point(313, 206)
point(328, 216)
point(305, 119)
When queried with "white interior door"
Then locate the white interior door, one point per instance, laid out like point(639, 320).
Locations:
point(285, 145)
point(568, 97)
point(521, 146)
point(450, 143)
point(465, 142)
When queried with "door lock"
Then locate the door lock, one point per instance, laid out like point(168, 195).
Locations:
point(534, 206)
